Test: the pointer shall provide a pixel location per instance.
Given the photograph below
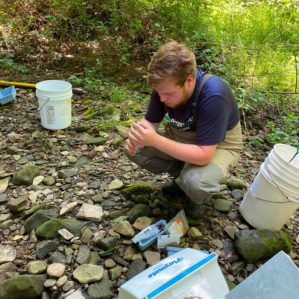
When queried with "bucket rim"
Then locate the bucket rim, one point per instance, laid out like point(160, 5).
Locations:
point(44, 86)
point(285, 160)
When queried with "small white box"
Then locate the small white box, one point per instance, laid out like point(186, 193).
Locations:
point(188, 272)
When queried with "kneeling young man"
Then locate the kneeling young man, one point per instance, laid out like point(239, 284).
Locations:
point(202, 139)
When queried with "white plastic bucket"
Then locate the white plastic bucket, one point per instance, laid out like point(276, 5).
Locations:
point(263, 214)
point(273, 195)
point(55, 103)
point(288, 191)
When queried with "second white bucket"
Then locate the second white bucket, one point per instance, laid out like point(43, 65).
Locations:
point(55, 104)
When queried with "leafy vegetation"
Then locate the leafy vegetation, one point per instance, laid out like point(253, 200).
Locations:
point(98, 45)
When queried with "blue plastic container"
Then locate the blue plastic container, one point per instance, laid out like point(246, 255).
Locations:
point(7, 95)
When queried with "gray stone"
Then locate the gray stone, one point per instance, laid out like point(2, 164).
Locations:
point(56, 270)
point(101, 290)
point(65, 234)
point(7, 268)
point(49, 283)
point(7, 254)
point(83, 255)
point(136, 267)
point(107, 243)
point(142, 222)
point(73, 225)
point(115, 272)
point(49, 181)
point(90, 212)
point(57, 257)
point(88, 273)
point(152, 257)
point(3, 198)
point(67, 208)
point(124, 228)
point(194, 233)
point(223, 205)
point(94, 258)
point(237, 194)
point(17, 205)
point(236, 183)
point(22, 286)
point(4, 184)
point(115, 184)
point(41, 216)
point(67, 173)
point(86, 236)
point(231, 230)
point(139, 210)
point(45, 247)
point(37, 267)
point(255, 245)
point(109, 263)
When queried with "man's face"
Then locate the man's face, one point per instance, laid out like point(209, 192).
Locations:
point(173, 95)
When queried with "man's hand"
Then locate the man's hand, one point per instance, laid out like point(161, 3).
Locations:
point(143, 134)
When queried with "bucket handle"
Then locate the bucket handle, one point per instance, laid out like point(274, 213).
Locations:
point(42, 106)
point(286, 197)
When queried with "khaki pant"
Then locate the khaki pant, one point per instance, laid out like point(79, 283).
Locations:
point(196, 181)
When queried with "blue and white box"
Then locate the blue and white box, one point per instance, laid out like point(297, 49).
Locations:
point(187, 273)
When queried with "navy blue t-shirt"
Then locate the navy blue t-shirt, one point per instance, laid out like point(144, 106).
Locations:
point(217, 111)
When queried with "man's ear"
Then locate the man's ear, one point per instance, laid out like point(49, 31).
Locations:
point(190, 80)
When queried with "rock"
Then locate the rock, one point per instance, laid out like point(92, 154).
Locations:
point(136, 267)
point(101, 290)
point(38, 218)
point(45, 247)
point(139, 210)
point(65, 234)
point(37, 180)
point(236, 267)
point(88, 273)
point(3, 198)
point(61, 281)
point(237, 194)
point(115, 272)
point(107, 243)
point(95, 140)
point(124, 228)
point(222, 205)
point(17, 205)
point(152, 257)
point(49, 283)
point(115, 184)
point(67, 208)
point(67, 173)
point(49, 229)
point(37, 267)
point(73, 225)
point(7, 254)
point(49, 181)
point(4, 184)
point(109, 263)
point(90, 212)
point(216, 243)
point(129, 253)
point(139, 187)
point(142, 222)
point(235, 183)
point(254, 245)
point(94, 258)
point(68, 285)
point(57, 257)
point(83, 255)
point(194, 233)
point(56, 270)
point(8, 269)
point(86, 236)
point(231, 230)
point(22, 286)
point(76, 295)
point(25, 175)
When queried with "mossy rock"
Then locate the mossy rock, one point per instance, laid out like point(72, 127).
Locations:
point(234, 183)
point(49, 229)
point(25, 175)
point(23, 286)
point(138, 188)
point(255, 245)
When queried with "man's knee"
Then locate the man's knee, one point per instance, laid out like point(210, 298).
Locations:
point(198, 182)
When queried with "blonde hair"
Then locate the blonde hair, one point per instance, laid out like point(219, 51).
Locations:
point(171, 60)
